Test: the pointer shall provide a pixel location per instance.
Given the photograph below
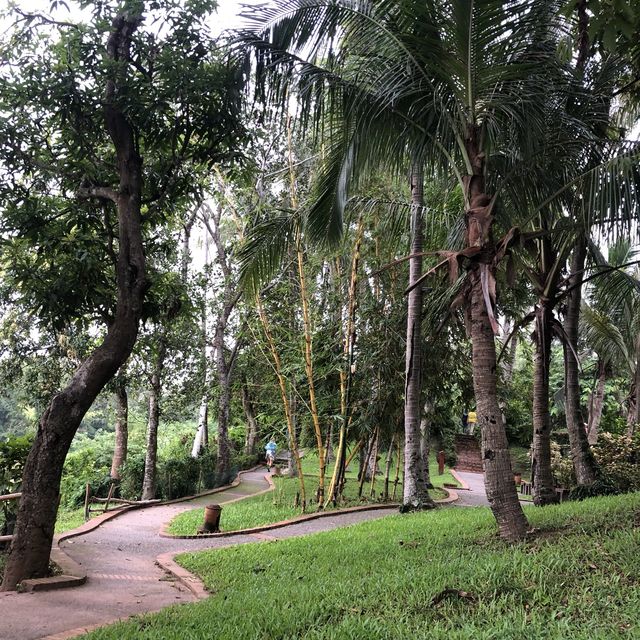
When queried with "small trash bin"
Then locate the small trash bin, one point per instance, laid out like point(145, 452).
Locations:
point(211, 519)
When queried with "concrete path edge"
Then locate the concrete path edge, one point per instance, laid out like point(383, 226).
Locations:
point(73, 575)
point(190, 581)
point(463, 484)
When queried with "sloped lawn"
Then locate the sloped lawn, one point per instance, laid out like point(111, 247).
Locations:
point(437, 575)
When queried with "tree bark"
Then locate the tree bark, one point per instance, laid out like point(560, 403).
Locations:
point(596, 403)
point(31, 546)
point(541, 474)
point(584, 463)
point(121, 429)
point(387, 467)
point(155, 391)
point(633, 415)
point(415, 493)
point(201, 439)
point(224, 362)
point(499, 484)
point(425, 434)
point(252, 422)
point(509, 359)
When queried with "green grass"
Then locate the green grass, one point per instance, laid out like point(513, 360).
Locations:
point(68, 520)
point(310, 467)
point(386, 579)
point(267, 508)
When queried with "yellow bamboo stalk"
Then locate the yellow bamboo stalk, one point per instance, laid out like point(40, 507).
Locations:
point(293, 444)
point(353, 453)
point(348, 346)
point(308, 337)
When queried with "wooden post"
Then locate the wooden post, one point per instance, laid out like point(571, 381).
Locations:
point(87, 493)
point(109, 496)
point(440, 462)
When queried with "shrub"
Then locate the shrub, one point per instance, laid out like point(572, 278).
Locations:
point(82, 467)
point(13, 455)
point(619, 460)
point(561, 466)
point(131, 476)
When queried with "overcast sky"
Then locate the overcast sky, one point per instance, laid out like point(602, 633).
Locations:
point(226, 17)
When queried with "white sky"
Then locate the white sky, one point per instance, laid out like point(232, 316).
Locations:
point(226, 16)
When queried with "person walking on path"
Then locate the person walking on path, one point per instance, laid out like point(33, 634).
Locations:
point(270, 449)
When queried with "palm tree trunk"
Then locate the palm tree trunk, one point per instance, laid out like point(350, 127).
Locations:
point(498, 473)
point(33, 534)
point(635, 414)
point(425, 434)
point(223, 373)
point(308, 365)
point(541, 474)
point(596, 403)
point(347, 371)
point(584, 463)
point(415, 494)
point(498, 478)
point(121, 428)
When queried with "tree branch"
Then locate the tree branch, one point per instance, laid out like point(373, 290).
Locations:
point(106, 193)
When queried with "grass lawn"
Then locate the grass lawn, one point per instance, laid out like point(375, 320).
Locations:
point(436, 575)
point(310, 467)
point(68, 520)
point(267, 508)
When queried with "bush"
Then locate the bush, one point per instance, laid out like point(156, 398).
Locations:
point(13, 455)
point(562, 467)
point(82, 467)
point(179, 477)
point(131, 476)
point(619, 460)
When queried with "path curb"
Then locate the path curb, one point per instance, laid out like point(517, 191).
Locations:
point(73, 574)
point(164, 533)
point(189, 580)
point(463, 484)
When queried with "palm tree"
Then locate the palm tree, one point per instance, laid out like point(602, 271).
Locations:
point(611, 322)
point(463, 82)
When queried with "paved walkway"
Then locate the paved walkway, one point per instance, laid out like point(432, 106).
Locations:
point(475, 496)
point(123, 579)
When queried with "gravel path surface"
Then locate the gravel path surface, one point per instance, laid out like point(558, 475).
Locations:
point(123, 579)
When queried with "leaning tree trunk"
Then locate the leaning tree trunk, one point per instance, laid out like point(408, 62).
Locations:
point(499, 484)
point(596, 403)
point(31, 546)
point(584, 463)
point(121, 429)
point(415, 495)
point(541, 474)
point(151, 457)
point(498, 478)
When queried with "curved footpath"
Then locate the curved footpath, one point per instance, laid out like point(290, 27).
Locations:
point(119, 558)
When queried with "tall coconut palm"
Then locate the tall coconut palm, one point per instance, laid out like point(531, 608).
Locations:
point(467, 83)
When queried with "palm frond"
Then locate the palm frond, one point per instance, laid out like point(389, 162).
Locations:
point(265, 248)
